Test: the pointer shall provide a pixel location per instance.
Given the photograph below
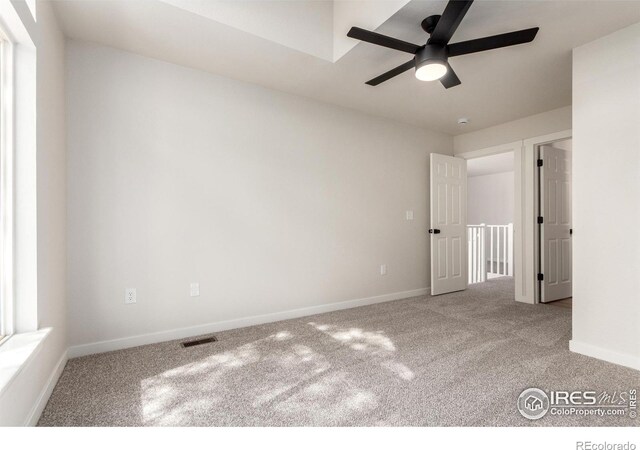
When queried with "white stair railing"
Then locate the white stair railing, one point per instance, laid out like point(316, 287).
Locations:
point(500, 263)
point(476, 260)
point(494, 241)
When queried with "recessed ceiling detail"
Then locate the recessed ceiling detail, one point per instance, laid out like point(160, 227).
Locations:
point(302, 26)
point(317, 27)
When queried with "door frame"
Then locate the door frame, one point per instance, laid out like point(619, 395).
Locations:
point(525, 231)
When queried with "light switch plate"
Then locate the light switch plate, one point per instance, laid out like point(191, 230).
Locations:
point(409, 215)
point(194, 289)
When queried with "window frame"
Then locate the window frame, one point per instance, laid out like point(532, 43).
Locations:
point(7, 297)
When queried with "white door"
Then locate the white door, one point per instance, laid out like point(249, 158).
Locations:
point(555, 233)
point(448, 224)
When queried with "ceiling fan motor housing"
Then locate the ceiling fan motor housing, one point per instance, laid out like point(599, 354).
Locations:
point(431, 54)
point(429, 24)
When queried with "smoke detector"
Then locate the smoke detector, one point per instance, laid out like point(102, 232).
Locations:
point(463, 121)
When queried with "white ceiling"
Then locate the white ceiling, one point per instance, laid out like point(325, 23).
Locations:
point(497, 86)
point(487, 165)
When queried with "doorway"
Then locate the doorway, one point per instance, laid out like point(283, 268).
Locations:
point(525, 227)
point(490, 199)
point(554, 221)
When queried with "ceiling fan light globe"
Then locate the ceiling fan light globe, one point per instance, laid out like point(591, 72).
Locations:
point(431, 71)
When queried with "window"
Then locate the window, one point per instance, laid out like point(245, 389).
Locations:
point(6, 191)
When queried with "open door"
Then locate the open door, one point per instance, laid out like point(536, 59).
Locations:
point(448, 224)
point(555, 229)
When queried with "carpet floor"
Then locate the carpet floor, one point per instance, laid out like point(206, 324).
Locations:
point(459, 359)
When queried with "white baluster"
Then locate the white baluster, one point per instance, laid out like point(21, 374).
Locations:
point(482, 266)
point(492, 244)
point(510, 228)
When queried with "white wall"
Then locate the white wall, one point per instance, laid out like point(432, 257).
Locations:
point(52, 184)
point(606, 200)
point(23, 400)
point(490, 199)
point(270, 201)
point(517, 130)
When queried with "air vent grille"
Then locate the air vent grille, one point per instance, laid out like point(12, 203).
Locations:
point(199, 342)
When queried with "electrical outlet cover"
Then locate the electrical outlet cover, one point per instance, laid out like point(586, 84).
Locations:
point(130, 295)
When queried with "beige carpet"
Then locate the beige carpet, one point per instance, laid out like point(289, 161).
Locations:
point(457, 359)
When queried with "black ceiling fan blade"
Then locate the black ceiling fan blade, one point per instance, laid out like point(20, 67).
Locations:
point(449, 21)
point(492, 42)
point(385, 41)
point(392, 73)
point(450, 79)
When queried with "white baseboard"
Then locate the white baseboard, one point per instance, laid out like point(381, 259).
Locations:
point(43, 398)
point(604, 354)
point(181, 333)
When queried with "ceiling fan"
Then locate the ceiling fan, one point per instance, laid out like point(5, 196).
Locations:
point(431, 60)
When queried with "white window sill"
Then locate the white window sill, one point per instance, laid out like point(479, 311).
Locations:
point(16, 352)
